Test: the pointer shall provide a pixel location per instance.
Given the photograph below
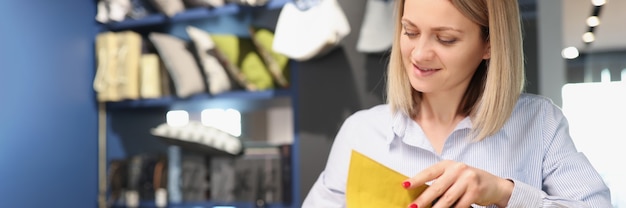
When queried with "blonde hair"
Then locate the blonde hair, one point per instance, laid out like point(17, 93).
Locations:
point(496, 84)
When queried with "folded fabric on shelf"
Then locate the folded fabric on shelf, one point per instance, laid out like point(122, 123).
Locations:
point(118, 55)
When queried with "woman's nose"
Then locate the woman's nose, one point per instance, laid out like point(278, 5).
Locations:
point(422, 50)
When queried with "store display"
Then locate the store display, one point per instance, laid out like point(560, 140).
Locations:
point(197, 137)
point(217, 79)
point(105, 83)
point(306, 34)
point(118, 55)
point(180, 64)
point(242, 52)
point(150, 76)
point(169, 7)
point(203, 3)
point(192, 61)
point(253, 177)
point(276, 63)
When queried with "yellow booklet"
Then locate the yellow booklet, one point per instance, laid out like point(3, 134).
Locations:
point(371, 184)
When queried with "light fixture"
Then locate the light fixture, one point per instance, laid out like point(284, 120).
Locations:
point(570, 52)
point(593, 21)
point(598, 2)
point(589, 37)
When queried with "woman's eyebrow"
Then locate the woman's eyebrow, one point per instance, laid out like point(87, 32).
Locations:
point(407, 22)
point(439, 29)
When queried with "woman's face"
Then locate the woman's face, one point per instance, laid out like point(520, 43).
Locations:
point(441, 48)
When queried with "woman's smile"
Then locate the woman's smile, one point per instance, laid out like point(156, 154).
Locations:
point(422, 71)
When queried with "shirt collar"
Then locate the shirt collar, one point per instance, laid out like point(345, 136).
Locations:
point(400, 121)
point(398, 126)
point(466, 123)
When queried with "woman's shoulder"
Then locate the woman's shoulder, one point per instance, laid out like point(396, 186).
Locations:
point(367, 129)
point(533, 100)
point(539, 105)
point(380, 111)
point(374, 115)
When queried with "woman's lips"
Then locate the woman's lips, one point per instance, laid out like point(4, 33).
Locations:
point(424, 71)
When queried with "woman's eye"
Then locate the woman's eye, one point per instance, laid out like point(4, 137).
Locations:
point(409, 34)
point(447, 41)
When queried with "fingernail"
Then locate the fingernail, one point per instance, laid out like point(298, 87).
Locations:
point(413, 205)
point(406, 184)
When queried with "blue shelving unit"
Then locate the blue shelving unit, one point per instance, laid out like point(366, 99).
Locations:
point(151, 204)
point(168, 101)
point(190, 15)
point(128, 111)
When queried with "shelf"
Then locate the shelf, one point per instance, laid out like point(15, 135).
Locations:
point(189, 15)
point(225, 205)
point(131, 120)
point(171, 100)
point(209, 204)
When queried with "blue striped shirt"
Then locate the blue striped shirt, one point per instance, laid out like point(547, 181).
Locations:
point(533, 149)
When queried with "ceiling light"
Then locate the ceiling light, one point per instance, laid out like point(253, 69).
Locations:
point(589, 37)
point(570, 53)
point(593, 21)
point(598, 2)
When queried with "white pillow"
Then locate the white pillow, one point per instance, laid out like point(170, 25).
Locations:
point(305, 34)
point(169, 7)
point(217, 79)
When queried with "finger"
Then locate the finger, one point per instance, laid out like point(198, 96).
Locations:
point(428, 174)
point(436, 191)
point(451, 196)
point(466, 200)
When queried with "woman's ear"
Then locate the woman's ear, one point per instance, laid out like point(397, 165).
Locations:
point(487, 52)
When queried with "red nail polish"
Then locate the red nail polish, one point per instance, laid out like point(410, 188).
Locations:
point(406, 184)
point(413, 206)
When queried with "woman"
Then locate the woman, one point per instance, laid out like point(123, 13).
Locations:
point(457, 119)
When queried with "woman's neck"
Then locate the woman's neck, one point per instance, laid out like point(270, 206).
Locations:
point(438, 116)
point(439, 108)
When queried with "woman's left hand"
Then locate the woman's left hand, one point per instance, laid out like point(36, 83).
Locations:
point(456, 184)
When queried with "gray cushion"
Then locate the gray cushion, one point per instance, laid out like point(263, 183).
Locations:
point(180, 63)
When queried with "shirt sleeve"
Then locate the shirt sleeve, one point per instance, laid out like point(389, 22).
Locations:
point(569, 179)
point(330, 187)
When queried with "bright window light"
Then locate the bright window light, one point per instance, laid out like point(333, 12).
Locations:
point(623, 78)
point(570, 53)
point(177, 118)
point(605, 75)
point(228, 120)
point(593, 21)
point(596, 112)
